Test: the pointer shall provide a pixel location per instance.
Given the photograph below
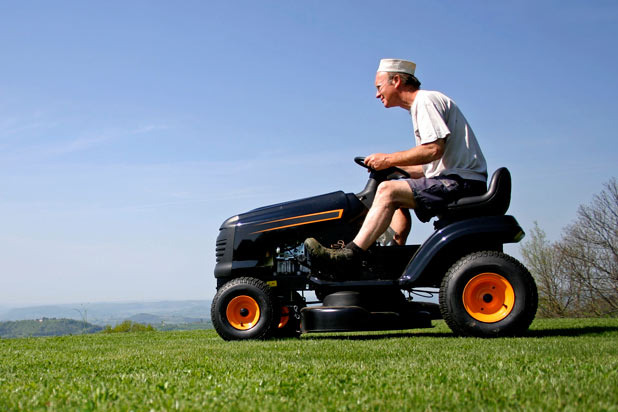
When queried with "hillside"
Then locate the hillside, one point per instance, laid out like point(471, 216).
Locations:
point(562, 364)
point(45, 327)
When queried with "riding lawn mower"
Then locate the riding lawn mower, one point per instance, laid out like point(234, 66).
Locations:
point(263, 271)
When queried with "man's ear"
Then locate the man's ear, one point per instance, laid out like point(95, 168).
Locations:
point(396, 80)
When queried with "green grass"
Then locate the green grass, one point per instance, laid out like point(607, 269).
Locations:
point(562, 365)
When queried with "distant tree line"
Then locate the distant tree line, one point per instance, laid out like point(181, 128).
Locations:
point(128, 326)
point(577, 276)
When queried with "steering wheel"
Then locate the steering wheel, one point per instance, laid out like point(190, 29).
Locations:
point(360, 160)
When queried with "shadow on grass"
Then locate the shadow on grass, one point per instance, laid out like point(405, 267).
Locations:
point(564, 332)
point(581, 331)
point(379, 336)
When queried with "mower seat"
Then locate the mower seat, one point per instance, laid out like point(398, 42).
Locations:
point(495, 202)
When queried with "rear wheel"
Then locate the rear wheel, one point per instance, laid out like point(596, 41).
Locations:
point(289, 321)
point(245, 308)
point(488, 294)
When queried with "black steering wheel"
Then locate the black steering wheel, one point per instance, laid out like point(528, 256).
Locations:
point(360, 160)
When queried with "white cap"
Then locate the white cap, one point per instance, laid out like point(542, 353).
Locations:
point(397, 66)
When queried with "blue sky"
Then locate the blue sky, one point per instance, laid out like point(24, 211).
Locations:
point(130, 130)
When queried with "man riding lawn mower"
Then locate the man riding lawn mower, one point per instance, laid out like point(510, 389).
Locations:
point(267, 257)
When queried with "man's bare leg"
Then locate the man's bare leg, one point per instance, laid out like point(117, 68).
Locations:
point(391, 196)
point(401, 225)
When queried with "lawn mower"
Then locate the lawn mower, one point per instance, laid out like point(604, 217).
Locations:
point(263, 271)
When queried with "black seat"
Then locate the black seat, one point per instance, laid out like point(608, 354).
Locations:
point(494, 202)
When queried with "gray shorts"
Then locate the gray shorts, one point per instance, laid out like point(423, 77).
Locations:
point(433, 194)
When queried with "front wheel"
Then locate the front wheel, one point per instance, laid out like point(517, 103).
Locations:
point(245, 308)
point(488, 294)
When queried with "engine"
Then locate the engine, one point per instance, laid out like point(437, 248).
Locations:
point(291, 261)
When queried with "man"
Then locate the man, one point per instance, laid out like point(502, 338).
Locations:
point(446, 164)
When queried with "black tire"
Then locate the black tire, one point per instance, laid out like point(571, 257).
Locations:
point(245, 308)
point(488, 294)
point(289, 321)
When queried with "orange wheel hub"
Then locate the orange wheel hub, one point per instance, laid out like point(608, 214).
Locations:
point(243, 312)
point(488, 297)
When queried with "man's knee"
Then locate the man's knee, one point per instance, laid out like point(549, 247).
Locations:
point(385, 192)
point(396, 193)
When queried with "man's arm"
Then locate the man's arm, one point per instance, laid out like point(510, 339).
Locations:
point(416, 156)
point(414, 171)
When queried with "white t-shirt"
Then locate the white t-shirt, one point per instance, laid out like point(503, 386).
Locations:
point(435, 116)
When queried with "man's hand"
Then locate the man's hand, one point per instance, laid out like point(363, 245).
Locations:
point(378, 161)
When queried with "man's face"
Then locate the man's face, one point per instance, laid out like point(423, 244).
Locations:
point(385, 91)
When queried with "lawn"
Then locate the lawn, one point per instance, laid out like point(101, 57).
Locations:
point(567, 364)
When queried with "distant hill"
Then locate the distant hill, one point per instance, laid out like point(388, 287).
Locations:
point(155, 320)
point(145, 318)
point(187, 311)
point(45, 327)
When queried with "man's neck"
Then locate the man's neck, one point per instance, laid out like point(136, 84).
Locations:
point(407, 99)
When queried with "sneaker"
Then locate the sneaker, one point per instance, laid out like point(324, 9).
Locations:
point(332, 263)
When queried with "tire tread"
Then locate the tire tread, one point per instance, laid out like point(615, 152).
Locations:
point(265, 332)
point(520, 324)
